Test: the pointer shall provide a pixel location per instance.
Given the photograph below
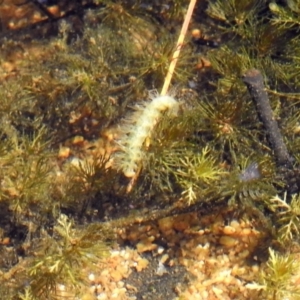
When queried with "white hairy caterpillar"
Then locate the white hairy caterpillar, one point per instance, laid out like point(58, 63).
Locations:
point(138, 127)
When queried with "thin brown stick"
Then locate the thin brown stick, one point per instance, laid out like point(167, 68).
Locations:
point(255, 83)
point(178, 47)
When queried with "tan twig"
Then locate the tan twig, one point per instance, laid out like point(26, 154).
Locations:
point(178, 47)
point(172, 66)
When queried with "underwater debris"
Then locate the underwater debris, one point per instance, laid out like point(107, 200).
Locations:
point(252, 172)
point(201, 40)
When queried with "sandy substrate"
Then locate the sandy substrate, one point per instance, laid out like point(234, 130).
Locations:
point(188, 256)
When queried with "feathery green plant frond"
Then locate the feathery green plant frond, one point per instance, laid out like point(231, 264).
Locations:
point(83, 182)
point(232, 11)
point(26, 170)
point(277, 280)
point(198, 167)
point(230, 127)
point(286, 16)
point(257, 43)
point(155, 59)
point(230, 62)
point(65, 258)
point(287, 216)
point(149, 42)
point(195, 173)
point(27, 294)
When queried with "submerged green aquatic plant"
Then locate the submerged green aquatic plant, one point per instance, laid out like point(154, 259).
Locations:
point(286, 16)
point(287, 216)
point(215, 150)
point(63, 258)
point(27, 294)
point(277, 281)
point(195, 172)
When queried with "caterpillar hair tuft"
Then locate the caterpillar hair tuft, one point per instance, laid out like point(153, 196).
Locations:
point(137, 128)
